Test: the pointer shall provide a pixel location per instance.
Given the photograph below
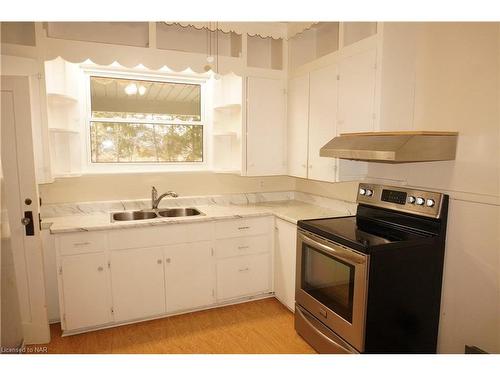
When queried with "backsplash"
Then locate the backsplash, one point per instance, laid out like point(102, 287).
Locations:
point(89, 208)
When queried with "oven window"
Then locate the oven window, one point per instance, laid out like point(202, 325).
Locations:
point(328, 280)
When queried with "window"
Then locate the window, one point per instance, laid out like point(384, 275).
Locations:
point(139, 121)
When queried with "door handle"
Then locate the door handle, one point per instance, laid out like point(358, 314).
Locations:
point(27, 221)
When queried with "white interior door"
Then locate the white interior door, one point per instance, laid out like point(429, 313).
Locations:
point(189, 275)
point(357, 92)
point(138, 283)
point(322, 121)
point(21, 188)
point(298, 125)
point(266, 135)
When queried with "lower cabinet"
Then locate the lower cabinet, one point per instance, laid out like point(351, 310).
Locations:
point(242, 276)
point(189, 276)
point(138, 283)
point(103, 282)
point(285, 253)
point(85, 290)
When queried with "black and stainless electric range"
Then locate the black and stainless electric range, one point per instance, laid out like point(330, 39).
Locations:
point(371, 283)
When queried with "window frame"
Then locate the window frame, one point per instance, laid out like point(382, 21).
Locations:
point(138, 167)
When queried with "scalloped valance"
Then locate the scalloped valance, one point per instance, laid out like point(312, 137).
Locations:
point(275, 30)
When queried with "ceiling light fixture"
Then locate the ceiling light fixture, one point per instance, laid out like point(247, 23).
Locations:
point(131, 89)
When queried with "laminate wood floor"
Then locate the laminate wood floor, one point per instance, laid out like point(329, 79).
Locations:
point(257, 327)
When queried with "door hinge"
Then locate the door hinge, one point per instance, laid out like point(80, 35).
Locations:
point(338, 77)
point(60, 270)
point(112, 311)
point(212, 251)
point(109, 264)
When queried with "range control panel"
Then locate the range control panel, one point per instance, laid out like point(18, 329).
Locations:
point(420, 202)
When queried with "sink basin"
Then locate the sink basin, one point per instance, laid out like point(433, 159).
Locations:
point(177, 212)
point(133, 215)
point(149, 214)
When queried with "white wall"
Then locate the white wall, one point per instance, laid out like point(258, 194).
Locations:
point(138, 186)
point(457, 80)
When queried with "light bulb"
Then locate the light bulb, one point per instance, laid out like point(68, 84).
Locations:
point(131, 89)
point(142, 90)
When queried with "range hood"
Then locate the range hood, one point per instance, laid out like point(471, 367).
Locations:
point(393, 147)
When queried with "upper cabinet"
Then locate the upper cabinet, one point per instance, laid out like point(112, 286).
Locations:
point(298, 125)
point(323, 95)
point(356, 96)
point(266, 132)
point(362, 82)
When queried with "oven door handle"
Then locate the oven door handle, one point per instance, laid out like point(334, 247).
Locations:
point(337, 251)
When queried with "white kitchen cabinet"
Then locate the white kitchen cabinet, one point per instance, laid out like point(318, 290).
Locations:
point(285, 253)
point(189, 276)
point(356, 94)
point(322, 121)
point(266, 133)
point(138, 285)
point(84, 283)
point(131, 274)
point(243, 276)
point(298, 125)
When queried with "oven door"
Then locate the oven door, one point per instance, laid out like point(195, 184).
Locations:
point(332, 285)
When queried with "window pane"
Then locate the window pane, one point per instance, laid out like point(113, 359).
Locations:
point(152, 143)
point(145, 100)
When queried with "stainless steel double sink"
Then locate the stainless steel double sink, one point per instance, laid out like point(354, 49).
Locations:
point(154, 214)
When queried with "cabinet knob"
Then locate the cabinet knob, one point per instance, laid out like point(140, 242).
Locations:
point(159, 261)
point(100, 268)
point(168, 260)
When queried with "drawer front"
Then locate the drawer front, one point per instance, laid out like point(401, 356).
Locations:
point(81, 243)
point(159, 235)
point(243, 276)
point(242, 227)
point(242, 246)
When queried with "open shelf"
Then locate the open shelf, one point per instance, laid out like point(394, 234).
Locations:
point(266, 53)
point(61, 99)
point(319, 40)
point(190, 39)
point(356, 31)
point(63, 130)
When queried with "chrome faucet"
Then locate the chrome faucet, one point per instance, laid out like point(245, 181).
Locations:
point(155, 199)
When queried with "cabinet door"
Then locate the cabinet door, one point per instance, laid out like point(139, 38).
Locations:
point(284, 262)
point(137, 277)
point(189, 275)
point(298, 120)
point(322, 121)
point(357, 92)
point(243, 276)
point(85, 287)
point(266, 137)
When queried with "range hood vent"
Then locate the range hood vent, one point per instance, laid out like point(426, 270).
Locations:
point(393, 147)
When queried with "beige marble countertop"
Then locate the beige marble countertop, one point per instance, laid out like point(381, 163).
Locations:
point(289, 210)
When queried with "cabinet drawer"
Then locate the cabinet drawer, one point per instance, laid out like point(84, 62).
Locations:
point(242, 227)
point(242, 246)
point(159, 235)
point(81, 243)
point(243, 276)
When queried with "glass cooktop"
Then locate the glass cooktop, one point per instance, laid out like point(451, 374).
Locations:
point(357, 230)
